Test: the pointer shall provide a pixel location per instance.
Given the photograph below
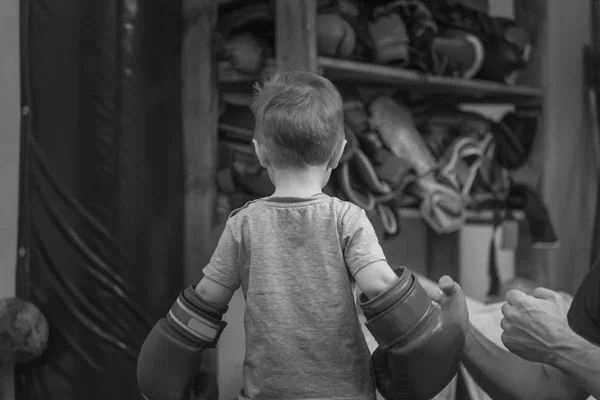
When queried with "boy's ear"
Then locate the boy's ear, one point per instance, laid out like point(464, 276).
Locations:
point(337, 155)
point(261, 154)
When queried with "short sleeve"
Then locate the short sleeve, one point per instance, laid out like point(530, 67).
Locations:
point(584, 314)
point(359, 242)
point(224, 266)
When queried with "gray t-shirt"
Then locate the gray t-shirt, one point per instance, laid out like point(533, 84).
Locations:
point(294, 259)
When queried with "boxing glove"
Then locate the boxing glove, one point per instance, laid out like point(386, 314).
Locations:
point(246, 52)
point(419, 344)
point(335, 36)
point(390, 39)
point(169, 365)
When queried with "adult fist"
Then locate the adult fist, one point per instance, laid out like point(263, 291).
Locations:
point(534, 325)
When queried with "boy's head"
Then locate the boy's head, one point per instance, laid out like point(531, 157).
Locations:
point(299, 121)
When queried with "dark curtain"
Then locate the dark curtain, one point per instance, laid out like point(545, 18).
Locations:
point(101, 189)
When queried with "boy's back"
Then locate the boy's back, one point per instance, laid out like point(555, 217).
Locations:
point(294, 259)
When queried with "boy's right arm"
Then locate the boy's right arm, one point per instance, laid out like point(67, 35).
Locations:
point(171, 355)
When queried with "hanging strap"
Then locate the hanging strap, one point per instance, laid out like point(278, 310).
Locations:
point(497, 219)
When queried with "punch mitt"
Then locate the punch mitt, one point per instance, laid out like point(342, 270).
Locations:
point(419, 343)
point(245, 36)
point(387, 166)
point(246, 52)
point(390, 39)
point(335, 36)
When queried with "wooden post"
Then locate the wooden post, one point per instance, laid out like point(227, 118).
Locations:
point(532, 15)
point(296, 35)
point(200, 118)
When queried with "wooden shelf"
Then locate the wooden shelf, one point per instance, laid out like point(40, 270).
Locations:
point(224, 3)
point(473, 217)
point(344, 71)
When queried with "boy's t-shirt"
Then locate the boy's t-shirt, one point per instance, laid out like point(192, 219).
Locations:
point(294, 259)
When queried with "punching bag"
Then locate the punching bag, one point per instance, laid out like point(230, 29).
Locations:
point(101, 197)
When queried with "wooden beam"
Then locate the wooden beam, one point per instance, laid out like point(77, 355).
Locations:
point(200, 118)
point(296, 35)
point(532, 15)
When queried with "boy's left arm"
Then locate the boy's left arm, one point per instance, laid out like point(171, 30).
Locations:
point(419, 344)
point(171, 356)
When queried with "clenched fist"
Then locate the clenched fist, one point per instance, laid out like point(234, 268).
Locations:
point(534, 325)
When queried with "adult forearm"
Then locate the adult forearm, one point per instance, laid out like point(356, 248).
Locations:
point(580, 360)
point(503, 375)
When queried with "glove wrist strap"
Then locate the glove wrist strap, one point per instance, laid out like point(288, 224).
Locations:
point(196, 319)
point(397, 312)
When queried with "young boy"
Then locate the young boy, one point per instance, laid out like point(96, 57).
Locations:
point(296, 253)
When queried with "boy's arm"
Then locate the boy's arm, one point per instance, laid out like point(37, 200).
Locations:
point(364, 256)
point(419, 344)
point(171, 356)
point(375, 278)
point(214, 292)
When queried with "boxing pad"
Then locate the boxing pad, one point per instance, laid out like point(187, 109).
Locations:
point(335, 36)
point(390, 39)
point(420, 344)
point(246, 52)
point(389, 168)
point(442, 207)
point(393, 122)
point(245, 35)
point(420, 25)
point(507, 45)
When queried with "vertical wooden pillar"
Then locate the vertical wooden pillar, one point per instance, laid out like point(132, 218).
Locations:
point(532, 15)
point(200, 118)
point(296, 35)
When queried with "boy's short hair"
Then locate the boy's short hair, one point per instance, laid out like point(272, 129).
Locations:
point(299, 119)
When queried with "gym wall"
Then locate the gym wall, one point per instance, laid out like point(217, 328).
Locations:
point(9, 143)
point(103, 187)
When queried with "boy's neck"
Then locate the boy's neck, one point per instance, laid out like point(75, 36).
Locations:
point(298, 183)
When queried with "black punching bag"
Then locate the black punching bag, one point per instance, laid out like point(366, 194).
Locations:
point(100, 218)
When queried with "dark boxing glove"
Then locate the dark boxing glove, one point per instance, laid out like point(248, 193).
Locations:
point(390, 39)
point(169, 365)
point(419, 344)
point(335, 36)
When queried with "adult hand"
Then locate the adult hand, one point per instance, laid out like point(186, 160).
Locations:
point(452, 299)
point(534, 325)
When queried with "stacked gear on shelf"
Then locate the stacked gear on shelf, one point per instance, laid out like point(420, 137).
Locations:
point(431, 157)
point(456, 38)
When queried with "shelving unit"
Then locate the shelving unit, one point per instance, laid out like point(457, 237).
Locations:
point(296, 49)
point(461, 90)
